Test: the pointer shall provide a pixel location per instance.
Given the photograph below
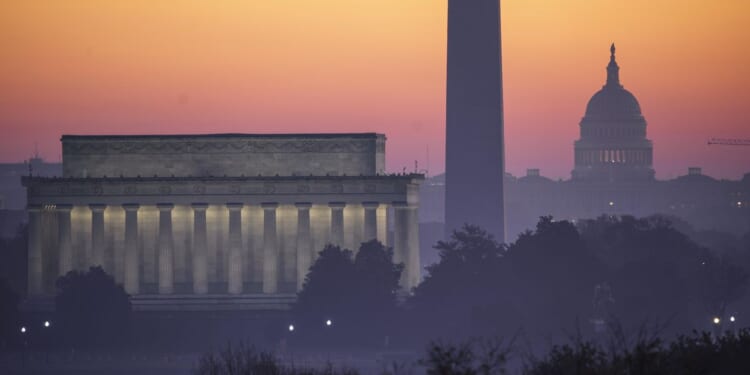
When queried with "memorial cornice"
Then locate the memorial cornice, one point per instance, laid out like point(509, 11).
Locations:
point(75, 137)
point(219, 186)
point(394, 177)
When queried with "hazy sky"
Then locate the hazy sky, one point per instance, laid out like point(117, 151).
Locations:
point(169, 66)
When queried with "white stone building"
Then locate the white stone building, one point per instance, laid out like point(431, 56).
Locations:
point(224, 221)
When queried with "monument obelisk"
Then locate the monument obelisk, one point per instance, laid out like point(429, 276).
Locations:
point(475, 160)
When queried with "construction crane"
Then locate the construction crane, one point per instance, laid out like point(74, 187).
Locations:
point(728, 142)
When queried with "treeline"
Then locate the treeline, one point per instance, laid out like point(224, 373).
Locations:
point(558, 278)
point(694, 354)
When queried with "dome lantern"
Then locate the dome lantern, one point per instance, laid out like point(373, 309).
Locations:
point(613, 70)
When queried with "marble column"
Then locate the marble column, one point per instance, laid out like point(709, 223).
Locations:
point(337, 223)
point(304, 242)
point(371, 220)
point(132, 277)
point(200, 246)
point(234, 277)
point(97, 235)
point(64, 241)
point(406, 243)
point(35, 275)
point(270, 249)
point(166, 252)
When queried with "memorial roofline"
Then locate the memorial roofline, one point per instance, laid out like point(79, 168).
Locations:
point(417, 176)
point(65, 137)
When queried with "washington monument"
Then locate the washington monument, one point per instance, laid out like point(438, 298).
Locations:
point(475, 161)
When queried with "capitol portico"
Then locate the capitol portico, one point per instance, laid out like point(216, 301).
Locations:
point(191, 222)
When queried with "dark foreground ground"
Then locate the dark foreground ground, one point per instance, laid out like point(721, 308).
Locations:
point(169, 343)
point(184, 363)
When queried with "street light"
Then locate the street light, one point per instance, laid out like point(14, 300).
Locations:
point(23, 329)
point(717, 320)
point(732, 319)
point(291, 328)
point(329, 322)
point(46, 324)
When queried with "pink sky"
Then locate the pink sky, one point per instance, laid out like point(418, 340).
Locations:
point(158, 66)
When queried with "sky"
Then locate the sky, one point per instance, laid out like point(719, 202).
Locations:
point(225, 66)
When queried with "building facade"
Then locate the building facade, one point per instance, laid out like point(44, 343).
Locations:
point(613, 146)
point(205, 221)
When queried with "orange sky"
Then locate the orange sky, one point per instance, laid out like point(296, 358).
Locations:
point(169, 66)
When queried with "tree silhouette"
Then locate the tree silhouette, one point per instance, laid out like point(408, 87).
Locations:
point(376, 278)
point(562, 276)
point(462, 285)
point(723, 283)
point(8, 314)
point(328, 284)
point(357, 295)
point(244, 359)
point(659, 273)
point(697, 353)
point(467, 260)
point(13, 259)
point(92, 311)
point(551, 275)
point(487, 356)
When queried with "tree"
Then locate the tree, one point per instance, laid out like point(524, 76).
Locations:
point(357, 295)
point(723, 283)
point(243, 359)
point(472, 357)
point(461, 286)
point(659, 273)
point(467, 260)
point(376, 278)
point(13, 259)
point(8, 314)
point(697, 353)
point(551, 275)
point(328, 284)
point(92, 310)
point(481, 286)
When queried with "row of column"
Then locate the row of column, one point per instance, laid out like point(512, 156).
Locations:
point(590, 157)
point(406, 244)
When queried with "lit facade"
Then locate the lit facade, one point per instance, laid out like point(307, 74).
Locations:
point(216, 221)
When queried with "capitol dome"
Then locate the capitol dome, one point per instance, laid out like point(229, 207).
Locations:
point(613, 144)
point(613, 102)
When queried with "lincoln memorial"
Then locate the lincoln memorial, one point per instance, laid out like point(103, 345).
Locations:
point(221, 221)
